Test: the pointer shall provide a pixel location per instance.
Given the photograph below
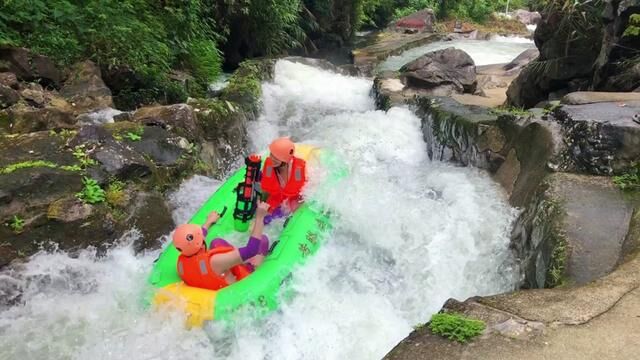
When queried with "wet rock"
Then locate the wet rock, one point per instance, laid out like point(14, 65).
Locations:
point(72, 227)
point(522, 60)
point(5, 197)
point(150, 215)
point(179, 118)
point(160, 146)
point(602, 138)
point(626, 79)
point(572, 61)
point(443, 72)
point(8, 96)
point(616, 67)
point(595, 225)
point(28, 66)
point(102, 116)
point(515, 329)
point(85, 89)
point(34, 96)
point(25, 119)
point(387, 44)
point(68, 210)
point(591, 97)
point(224, 127)
point(9, 79)
point(120, 161)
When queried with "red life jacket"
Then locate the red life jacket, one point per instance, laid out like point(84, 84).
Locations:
point(196, 270)
point(291, 191)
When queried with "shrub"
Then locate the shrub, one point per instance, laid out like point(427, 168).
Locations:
point(455, 326)
point(92, 193)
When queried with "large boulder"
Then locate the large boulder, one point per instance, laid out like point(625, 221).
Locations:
point(528, 17)
point(8, 96)
point(28, 66)
point(442, 72)
point(422, 20)
point(592, 97)
point(566, 56)
point(21, 118)
point(617, 68)
point(522, 60)
point(179, 118)
point(85, 89)
point(9, 79)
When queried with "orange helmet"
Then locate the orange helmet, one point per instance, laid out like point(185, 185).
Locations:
point(282, 149)
point(188, 239)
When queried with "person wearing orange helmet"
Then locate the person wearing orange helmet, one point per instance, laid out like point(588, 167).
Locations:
point(222, 264)
point(283, 177)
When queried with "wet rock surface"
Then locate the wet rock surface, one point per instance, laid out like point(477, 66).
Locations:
point(602, 138)
point(442, 72)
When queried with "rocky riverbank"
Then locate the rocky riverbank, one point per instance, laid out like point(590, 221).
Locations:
point(577, 232)
point(576, 238)
point(72, 164)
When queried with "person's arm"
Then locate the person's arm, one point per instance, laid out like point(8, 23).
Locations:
point(211, 220)
point(258, 225)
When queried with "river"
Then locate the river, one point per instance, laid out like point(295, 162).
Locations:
point(409, 234)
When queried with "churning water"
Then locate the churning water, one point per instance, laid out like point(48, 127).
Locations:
point(409, 234)
point(498, 50)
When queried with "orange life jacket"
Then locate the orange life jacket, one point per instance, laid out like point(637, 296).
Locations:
point(291, 191)
point(196, 270)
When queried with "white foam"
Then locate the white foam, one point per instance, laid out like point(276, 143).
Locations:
point(499, 50)
point(409, 234)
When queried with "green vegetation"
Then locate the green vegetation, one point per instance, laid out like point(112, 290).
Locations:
point(92, 193)
point(16, 224)
point(64, 134)
point(550, 220)
point(27, 164)
point(145, 37)
point(37, 163)
point(511, 110)
point(377, 13)
point(115, 194)
point(456, 327)
point(139, 44)
point(633, 29)
point(80, 152)
point(133, 133)
point(630, 180)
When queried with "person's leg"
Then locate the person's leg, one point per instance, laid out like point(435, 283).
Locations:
point(220, 263)
point(264, 249)
point(218, 242)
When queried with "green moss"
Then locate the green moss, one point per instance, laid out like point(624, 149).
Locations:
point(630, 180)
point(64, 134)
point(633, 29)
point(115, 194)
point(456, 327)
point(126, 130)
point(556, 270)
point(511, 110)
point(245, 85)
point(27, 164)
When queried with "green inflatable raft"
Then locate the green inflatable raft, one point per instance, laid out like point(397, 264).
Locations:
point(266, 287)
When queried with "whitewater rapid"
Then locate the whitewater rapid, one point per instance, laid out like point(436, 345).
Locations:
point(497, 50)
point(409, 234)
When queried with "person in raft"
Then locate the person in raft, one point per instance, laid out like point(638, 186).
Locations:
point(283, 177)
point(223, 264)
